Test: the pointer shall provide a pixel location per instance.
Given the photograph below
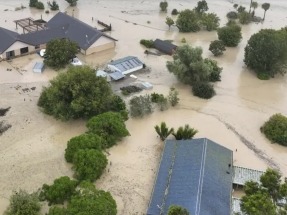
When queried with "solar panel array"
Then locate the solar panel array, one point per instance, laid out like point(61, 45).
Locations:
point(200, 180)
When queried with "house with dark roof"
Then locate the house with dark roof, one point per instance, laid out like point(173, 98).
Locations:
point(195, 174)
point(61, 26)
point(165, 46)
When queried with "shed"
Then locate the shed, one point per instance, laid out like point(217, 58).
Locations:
point(126, 65)
point(165, 46)
point(195, 174)
point(117, 76)
point(147, 85)
point(38, 67)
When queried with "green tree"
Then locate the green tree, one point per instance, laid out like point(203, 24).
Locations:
point(90, 201)
point(217, 47)
point(174, 12)
point(59, 52)
point(61, 190)
point(275, 129)
point(203, 90)
point(78, 93)
point(40, 5)
point(72, 2)
point(266, 52)
point(177, 210)
point(245, 18)
point(254, 5)
point(54, 210)
point(140, 106)
point(232, 15)
point(53, 5)
point(169, 21)
point(188, 21)
point(163, 6)
point(240, 9)
point(235, 6)
point(163, 131)
point(265, 7)
point(23, 203)
point(251, 187)
point(33, 3)
point(110, 126)
point(257, 204)
point(230, 35)
point(210, 21)
point(83, 141)
point(89, 164)
point(201, 6)
point(184, 133)
point(147, 43)
point(173, 96)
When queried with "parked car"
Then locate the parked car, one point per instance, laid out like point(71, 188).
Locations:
point(76, 62)
point(42, 52)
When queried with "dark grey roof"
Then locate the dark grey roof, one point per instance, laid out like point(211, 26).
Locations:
point(81, 33)
point(164, 46)
point(7, 38)
point(196, 175)
point(117, 75)
point(126, 63)
point(44, 36)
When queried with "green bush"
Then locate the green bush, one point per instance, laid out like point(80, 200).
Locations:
point(230, 35)
point(275, 129)
point(53, 5)
point(56, 211)
point(61, 190)
point(177, 210)
point(245, 18)
point(184, 133)
point(163, 6)
point(130, 89)
point(40, 5)
point(210, 21)
point(217, 47)
point(110, 126)
point(263, 76)
point(232, 15)
point(140, 106)
point(203, 90)
point(156, 97)
point(89, 164)
point(173, 96)
point(23, 203)
point(33, 3)
point(174, 12)
point(83, 141)
point(147, 43)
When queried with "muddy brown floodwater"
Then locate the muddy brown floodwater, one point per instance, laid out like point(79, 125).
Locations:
point(32, 151)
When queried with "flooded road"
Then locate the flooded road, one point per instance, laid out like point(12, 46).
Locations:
point(31, 152)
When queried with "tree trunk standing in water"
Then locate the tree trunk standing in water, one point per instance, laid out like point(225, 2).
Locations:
point(265, 7)
point(250, 6)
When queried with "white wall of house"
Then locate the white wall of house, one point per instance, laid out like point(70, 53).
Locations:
point(102, 44)
point(16, 46)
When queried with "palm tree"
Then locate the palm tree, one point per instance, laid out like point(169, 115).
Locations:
point(184, 133)
point(254, 5)
point(163, 131)
point(265, 7)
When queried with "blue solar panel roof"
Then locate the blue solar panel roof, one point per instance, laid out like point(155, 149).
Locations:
point(195, 174)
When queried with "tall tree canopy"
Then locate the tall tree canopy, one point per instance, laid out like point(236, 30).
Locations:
point(263, 199)
point(78, 93)
point(201, 6)
point(265, 7)
point(230, 35)
point(90, 201)
point(266, 52)
point(188, 21)
point(59, 52)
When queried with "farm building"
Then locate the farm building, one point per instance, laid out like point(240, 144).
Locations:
point(89, 39)
point(126, 65)
point(195, 174)
point(165, 46)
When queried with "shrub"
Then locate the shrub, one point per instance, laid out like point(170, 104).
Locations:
point(72, 2)
point(183, 40)
point(62, 189)
point(173, 96)
point(163, 104)
point(174, 12)
point(163, 6)
point(140, 106)
point(240, 9)
point(56, 211)
point(230, 35)
point(203, 90)
point(156, 97)
point(217, 47)
point(184, 133)
point(110, 126)
point(83, 141)
point(210, 21)
point(33, 3)
point(130, 89)
point(275, 129)
point(147, 43)
point(263, 76)
point(177, 210)
point(231, 22)
point(40, 5)
point(232, 15)
point(214, 75)
point(53, 5)
point(23, 203)
point(89, 164)
point(47, 11)
point(245, 18)
point(163, 131)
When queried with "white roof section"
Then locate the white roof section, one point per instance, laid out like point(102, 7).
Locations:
point(101, 73)
point(236, 206)
point(126, 63)
point(241, 175)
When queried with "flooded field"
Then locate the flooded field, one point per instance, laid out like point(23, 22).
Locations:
point(32, 151)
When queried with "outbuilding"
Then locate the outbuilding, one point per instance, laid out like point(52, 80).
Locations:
point(165, 46)
point(38, 67)
point(126, 65)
